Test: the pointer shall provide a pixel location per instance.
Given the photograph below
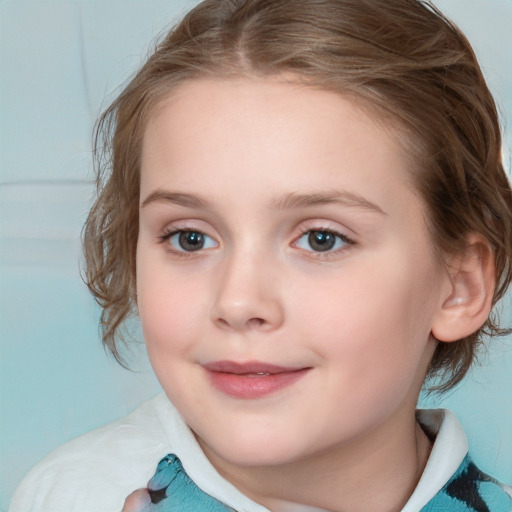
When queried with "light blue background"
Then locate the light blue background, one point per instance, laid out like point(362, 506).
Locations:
point(60, 63)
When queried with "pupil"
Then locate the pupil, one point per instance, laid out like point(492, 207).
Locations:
point(191, 240)
point(321, 240)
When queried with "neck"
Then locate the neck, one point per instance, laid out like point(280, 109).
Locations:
point(377, 472)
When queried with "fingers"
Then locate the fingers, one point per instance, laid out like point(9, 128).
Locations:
point(137, 501)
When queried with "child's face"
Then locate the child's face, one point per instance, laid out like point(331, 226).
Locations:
point(279, 233)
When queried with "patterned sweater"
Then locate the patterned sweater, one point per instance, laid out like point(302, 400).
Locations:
point(172, 490)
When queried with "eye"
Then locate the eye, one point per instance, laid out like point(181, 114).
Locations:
point(190, 241)
point(322, 241)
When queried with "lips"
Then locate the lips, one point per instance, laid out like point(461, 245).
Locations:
point(253, 379)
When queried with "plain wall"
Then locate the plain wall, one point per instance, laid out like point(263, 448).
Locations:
point(60, 64)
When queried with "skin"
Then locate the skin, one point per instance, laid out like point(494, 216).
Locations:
point(360, 316)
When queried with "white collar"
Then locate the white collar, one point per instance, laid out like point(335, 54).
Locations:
point(450, 448)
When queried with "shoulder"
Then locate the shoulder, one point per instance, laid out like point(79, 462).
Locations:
point(98, 470)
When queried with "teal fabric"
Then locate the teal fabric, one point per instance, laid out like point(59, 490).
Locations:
point(469, 490)
point(172, 490)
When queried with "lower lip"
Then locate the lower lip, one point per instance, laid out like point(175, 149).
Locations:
point(251, 386)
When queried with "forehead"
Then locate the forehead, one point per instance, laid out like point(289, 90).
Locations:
point(229, 135)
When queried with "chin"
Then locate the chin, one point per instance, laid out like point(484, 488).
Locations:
point(247, 451)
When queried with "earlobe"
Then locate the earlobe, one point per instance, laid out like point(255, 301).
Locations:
point(472, 280)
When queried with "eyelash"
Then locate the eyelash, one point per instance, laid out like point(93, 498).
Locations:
point(349, 242)
point(166, 236)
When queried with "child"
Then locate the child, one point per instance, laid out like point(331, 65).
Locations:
point(304, 202)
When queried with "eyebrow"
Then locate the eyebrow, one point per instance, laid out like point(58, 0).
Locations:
point(179, 198)
point(289, 201)
point(343, 198)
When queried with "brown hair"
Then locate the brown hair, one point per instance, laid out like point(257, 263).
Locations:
point(400, 57)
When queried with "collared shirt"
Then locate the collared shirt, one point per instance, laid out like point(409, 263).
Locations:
point(97, 471)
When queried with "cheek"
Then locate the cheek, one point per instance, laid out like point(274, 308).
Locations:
point(370, 318)
point(169, 309)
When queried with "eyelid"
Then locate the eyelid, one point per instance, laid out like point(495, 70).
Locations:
point(186, 224)
point(178, 227)
point(325, 226)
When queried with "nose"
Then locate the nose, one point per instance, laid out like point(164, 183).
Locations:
point(248, 295)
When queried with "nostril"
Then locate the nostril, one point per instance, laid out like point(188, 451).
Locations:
point(251, 323)
point(222, 322)
point(255, 322)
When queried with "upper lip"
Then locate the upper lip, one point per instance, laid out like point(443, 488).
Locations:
point(248, 367)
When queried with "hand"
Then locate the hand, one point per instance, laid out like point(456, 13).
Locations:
point(137, 501)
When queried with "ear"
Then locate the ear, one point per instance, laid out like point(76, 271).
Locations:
point(467, 302)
